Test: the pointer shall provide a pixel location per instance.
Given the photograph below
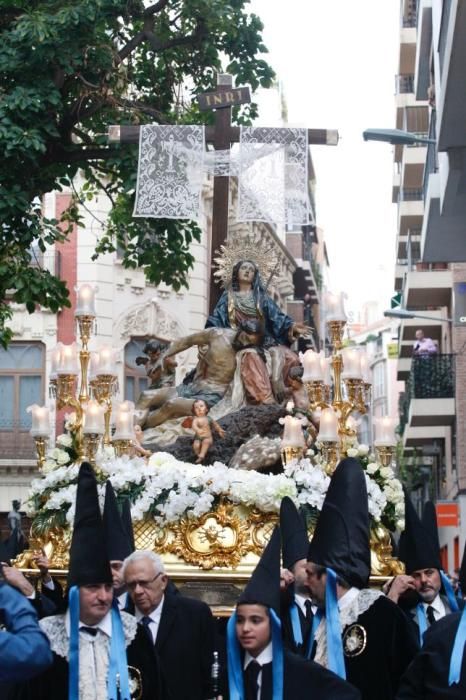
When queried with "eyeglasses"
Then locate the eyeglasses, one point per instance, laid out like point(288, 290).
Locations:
point(132, 585)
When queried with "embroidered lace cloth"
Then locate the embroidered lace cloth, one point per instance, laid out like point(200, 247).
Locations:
point(93, 653)
point(170, 171)
point(348, 615)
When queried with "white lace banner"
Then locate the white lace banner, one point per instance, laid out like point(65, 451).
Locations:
point(170, 171)
point(272, 181)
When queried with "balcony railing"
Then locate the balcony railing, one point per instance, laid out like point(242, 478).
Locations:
point(431, 165)
point(432, 377)
point(404, 84)
point(409, 194)
point(16, 441)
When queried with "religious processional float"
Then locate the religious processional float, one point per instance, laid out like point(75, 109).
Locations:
point(210, 517)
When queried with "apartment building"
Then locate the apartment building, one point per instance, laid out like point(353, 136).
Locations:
point(430, 275)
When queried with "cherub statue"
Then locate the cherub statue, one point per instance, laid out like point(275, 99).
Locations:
point(137, 449)
point(202, 425)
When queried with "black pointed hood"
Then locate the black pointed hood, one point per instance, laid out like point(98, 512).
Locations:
point(89, 562)
point(341, 536)
point(420, 547)
point(263, 587)
point(117, 539)
point(429, 521)
point(128, 523)
point(295, 542)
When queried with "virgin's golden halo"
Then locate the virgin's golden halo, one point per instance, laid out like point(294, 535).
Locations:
point(245, 248)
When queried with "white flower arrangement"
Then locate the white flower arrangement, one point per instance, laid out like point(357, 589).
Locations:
point(167, 489)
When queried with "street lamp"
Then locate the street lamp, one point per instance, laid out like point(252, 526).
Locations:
point(407, 313)
point(397, 137)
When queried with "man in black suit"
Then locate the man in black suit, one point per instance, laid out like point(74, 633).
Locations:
point(181, 629)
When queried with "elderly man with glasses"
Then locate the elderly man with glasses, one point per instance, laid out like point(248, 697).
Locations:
point(181, 628)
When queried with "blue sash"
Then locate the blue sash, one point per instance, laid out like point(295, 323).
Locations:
point(315, 623)
point(421, 621)
point(456, 659)
point(452, 602)
point(336, 659)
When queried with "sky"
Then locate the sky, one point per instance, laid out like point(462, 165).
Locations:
point(337, 62)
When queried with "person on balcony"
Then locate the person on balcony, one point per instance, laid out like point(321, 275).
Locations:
point(424, 347)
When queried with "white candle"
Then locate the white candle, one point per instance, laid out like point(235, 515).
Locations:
point(124, 421)
point(68, 360)
point(293, 432)
point(312, 367)
point(385, 431)
point(107, 361)
point(94, 365)
point(94, 418)
point(328, 428)
point(40, 426)
point(351, 363)
point(365, 368)
point(334, 307)
point(326, 365)
point(55, 360)
point(85, 304)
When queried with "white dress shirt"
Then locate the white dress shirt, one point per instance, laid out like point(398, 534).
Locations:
point(265, 657)
point(122, 600)
point(154, 617)
point(438, 607)
point(347, 598)
point(93, 657)
point(300, 601)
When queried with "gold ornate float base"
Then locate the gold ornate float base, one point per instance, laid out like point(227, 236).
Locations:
point(215, 552)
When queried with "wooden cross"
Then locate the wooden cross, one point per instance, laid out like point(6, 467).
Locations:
point(222, 135)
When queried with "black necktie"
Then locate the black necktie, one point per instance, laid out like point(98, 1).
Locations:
point(250, 680)
point(145, 622)
point(90, 630)
point(309, 613)
point(430, 614)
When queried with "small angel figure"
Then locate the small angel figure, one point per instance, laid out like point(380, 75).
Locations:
point(137, 448)
point(202, 426)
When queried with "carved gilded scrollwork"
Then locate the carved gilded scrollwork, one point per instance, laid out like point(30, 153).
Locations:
point(261, 529)
point(382, 561)
point(219, 538)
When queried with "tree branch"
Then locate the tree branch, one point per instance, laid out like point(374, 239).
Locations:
point(156, 7)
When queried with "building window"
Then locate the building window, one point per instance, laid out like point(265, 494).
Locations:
point(21, 384)
point(135, 375)
point(379, 380)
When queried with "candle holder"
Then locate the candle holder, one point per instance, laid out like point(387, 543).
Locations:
point(316, 392)
point(66, 397)
point(336, 333)
point(91, 443)
point(356, 394)
point(385, 454)
point(103, 388)
point(85, 324)
point(289, 453)
point(330, 455)
point(122, 447)
point(41, 445)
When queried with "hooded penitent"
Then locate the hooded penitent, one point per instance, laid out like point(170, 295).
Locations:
point(263, 588)
point(127, 522)
point(341, 536)
point(295, 542)
point(89, 564)
point(116, 536)
point(341, 545)
point(429, 521)
point(420, 543)
point(89, 561)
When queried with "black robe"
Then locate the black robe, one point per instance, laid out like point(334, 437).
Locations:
point(389, 648)
point(53, 683)
point(303, 680)
point(427, 676)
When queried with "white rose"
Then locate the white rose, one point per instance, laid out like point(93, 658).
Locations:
point(386, 473)
point(372, 467)
point(352, 452)
point(363, 450)
point(64, 440)
point(62, 457)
